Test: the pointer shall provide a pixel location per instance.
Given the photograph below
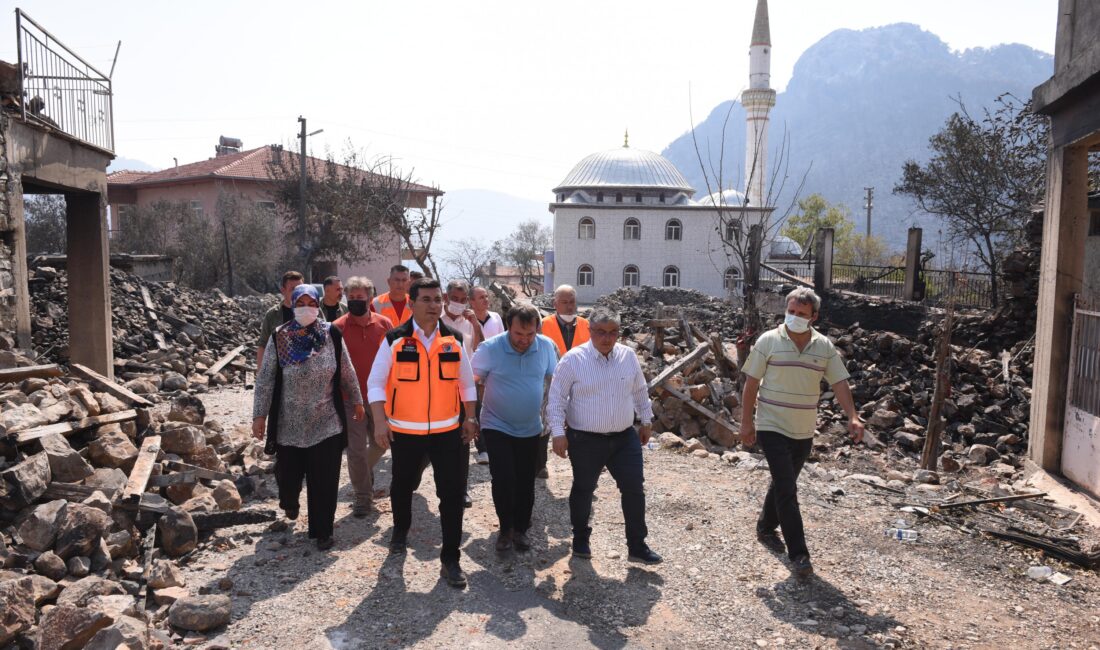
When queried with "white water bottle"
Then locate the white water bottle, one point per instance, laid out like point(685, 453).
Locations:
point(902, 534)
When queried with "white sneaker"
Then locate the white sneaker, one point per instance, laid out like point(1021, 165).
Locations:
point(482, 458)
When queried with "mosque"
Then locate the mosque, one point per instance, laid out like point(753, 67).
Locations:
point(627, 217)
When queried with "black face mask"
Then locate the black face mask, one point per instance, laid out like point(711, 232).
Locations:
point(357, 307)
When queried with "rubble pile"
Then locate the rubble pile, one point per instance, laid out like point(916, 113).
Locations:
point(166, 337)
point(101, 498)
point(636, 306)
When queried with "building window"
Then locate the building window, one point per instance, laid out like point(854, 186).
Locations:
point(585, 276)
point(630, 276)
point(731, 280)
point(599, 197)
point(638, 197)
point(632, 229)
point(618, 197)
point(674, 231)
point(1094, 224)
point(733, 232)
point(671, 276)
point(196, 208)
point(587, 229)
point(268, 206)
point(661, 197)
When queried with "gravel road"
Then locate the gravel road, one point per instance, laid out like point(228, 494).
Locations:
point(718, 588)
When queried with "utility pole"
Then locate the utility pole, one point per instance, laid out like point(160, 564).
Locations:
point(870, 203)
point(302, 247)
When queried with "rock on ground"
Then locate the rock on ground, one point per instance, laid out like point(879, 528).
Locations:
point(200, 613)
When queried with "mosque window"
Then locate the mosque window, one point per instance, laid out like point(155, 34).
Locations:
point(585, 276)
point(599, 197)
point(586, 229)
point(618, 197)
point(638, 197)
point(630, 276)
point(632, 229)
point(671, 276)
point(731, 280)
point(661, 197)
point(674, 230)
point(733, 231)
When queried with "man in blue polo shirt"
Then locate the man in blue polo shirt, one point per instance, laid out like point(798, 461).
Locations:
point(514, 369)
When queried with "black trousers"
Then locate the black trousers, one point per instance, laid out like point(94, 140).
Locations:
point(621, 454)
point(319, 465)
point(449, 457)
point(786, 456)
point(543, 453)
point(513, 463)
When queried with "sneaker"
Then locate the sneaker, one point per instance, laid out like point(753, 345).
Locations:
point(504, 541)
point(802, 567)
point(645, 555)
point(361, 509)
point(520, 540)
point(398, 544)
point(467, 501)
point(482, 458)
point(581, 549)
point(771, 541)
point(291, 514)
point(453, 574)
point(325, 543)
point(543, 473)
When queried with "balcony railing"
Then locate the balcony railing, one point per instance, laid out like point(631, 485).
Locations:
point(62, 90)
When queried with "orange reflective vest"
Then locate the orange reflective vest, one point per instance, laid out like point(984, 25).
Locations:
point(550, 328)
point(383, 305)
point(422, 392)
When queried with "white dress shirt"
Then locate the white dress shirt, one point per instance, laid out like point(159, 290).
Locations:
point(492, 326)
point(591, 392)
point(383, 361)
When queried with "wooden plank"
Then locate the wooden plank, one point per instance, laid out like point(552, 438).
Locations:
point(685, 330)
point(73, 492)
point(143, 468)
point(151, 314)
point(659, 334)
point(224, 361)
point(699, 408)
point(175, 478)
point(200, 472)
point(727, 365)
point(214, 520)
point(109, 386)
point(9, 375)
point(698, 352)
point(72, 426)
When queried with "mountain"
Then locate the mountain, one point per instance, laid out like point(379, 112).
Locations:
point(132, 164)
point(486, 215)
point(858, 105)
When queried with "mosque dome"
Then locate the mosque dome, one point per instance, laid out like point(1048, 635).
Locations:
point(625, 167)
point(784, 248)
point(728, 198)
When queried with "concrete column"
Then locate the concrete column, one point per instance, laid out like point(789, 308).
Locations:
point(823, 260)
point(89, 282)
point(20, 275)
point(1061, 276)
point(912, 264)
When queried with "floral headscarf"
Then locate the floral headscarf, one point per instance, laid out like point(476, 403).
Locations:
point(295, 342)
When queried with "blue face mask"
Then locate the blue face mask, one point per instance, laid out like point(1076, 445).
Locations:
point(796, 324)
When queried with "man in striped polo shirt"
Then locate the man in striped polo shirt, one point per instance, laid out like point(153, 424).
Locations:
point(782, 388)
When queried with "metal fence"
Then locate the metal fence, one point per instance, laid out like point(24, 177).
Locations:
point(1084, 377)
point(971, 289)
point(62, 90)
point(886, 281)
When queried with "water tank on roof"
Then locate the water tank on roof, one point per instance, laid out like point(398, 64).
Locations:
point(225, 141)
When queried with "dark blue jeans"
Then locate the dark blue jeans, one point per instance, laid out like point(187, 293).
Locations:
point(621, 454)
point(786, 456)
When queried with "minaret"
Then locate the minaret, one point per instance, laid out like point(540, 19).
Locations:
point(758, 101)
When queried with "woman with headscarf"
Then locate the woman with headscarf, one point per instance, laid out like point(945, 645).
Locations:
point(300, 389)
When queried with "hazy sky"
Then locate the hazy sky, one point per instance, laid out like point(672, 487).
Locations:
point(504, 95)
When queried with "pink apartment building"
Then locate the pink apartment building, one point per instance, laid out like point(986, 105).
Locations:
point(245, 174)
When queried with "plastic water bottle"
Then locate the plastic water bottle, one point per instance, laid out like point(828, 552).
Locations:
point(652, 445)
point(902, 534)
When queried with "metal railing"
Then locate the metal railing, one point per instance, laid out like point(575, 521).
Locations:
point(62, 90)
point(886, 281)
point(1084, 376)
point(971, 289)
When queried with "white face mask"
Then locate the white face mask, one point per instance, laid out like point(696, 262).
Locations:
point(796, 324)
point(455, 308)
point(306, 315)
point(568, 318)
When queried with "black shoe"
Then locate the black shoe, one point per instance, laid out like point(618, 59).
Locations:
point(801, 566)
point(581, 549)
point(504, 541)
point(543, 473)
point(520, 540)
point(771, 541)
point(291, 514)
point(398, 544)
point(325, 543)
point(453, 574)
point(468, 502)
point(645, 555)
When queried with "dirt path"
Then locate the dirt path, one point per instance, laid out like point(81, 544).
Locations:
point(717, 587)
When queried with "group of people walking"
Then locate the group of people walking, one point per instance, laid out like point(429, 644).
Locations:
point(426, 371)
